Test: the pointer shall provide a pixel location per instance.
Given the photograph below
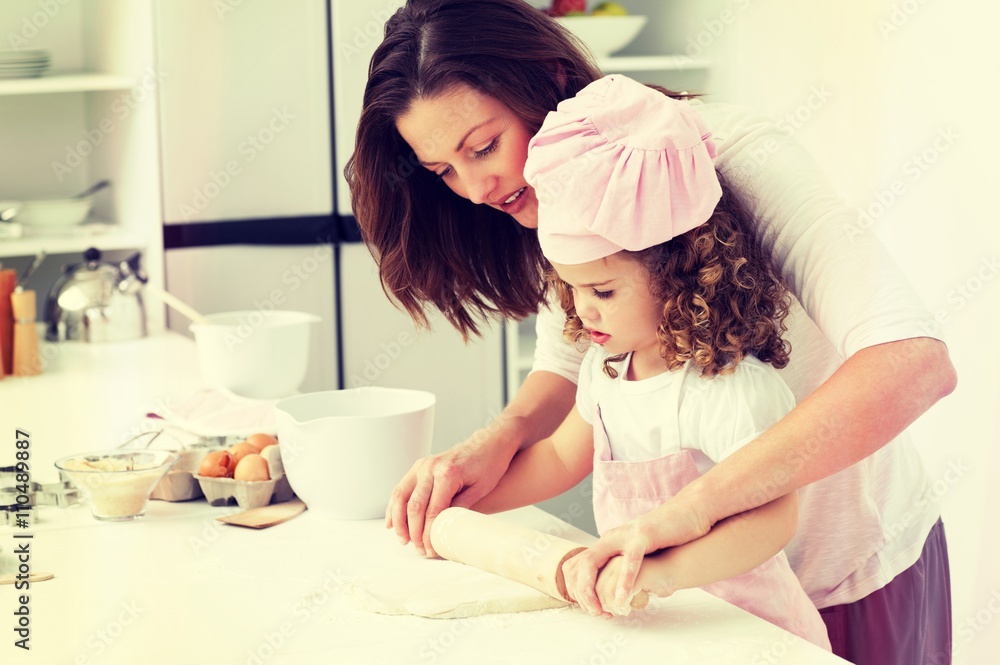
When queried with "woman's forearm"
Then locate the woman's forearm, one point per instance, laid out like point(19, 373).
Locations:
point(538, 408)
point(866, 403)
point(734, 546)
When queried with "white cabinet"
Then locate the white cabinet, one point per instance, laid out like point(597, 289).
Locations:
point(244, 109)
point(356, 29)
point(91, 117)
point(382, 347)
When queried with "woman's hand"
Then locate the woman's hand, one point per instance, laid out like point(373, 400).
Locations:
point(669, 525)
point(459, 476)
point(466, 473)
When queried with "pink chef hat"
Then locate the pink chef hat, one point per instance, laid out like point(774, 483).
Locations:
point(619, 166)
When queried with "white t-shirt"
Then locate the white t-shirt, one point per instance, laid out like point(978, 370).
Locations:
point(715, 416)
point(860, 527)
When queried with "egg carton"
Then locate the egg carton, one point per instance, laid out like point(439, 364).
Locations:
point(249, 493)
point(245, 493)
point(177, 486)
point(180, 483)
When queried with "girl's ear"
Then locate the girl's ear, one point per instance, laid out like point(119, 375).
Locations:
point(560, 73)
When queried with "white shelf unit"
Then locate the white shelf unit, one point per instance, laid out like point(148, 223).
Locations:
point(65, 82)
point(92, 117)
point(652, 63)
point(105, 236)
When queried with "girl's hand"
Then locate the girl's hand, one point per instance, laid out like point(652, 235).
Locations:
point(607, 584)
point(666, 526)
point(600, 580)
point(459, 476)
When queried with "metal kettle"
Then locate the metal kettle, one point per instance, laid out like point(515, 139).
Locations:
point(95, 301)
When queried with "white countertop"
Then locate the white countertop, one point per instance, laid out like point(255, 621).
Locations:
point(179, 587)
point(93, 396)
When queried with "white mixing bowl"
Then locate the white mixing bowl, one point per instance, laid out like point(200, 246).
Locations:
point(257, 354)
point(344, 450)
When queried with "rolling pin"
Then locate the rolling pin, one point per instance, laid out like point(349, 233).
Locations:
point(518, 553)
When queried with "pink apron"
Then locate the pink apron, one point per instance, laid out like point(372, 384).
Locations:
point(626, 490)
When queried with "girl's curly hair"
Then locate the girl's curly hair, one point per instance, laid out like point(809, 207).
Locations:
point(722, 296)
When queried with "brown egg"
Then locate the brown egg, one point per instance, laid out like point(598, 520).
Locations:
point(261, 441)
point(241, 450)
point(217, 464)
point(252, 467)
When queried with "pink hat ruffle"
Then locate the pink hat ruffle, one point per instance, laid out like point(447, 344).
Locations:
point(619, 166)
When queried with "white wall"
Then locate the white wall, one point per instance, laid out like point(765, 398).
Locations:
point(892, 82)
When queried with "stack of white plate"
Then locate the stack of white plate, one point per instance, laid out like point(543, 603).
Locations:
point(18, 64)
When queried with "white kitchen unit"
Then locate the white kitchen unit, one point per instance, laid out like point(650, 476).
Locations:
point(244, 109)
point(381, 346)
point(245, 128)
point(386, 349)
point(91, 117)
point(269, 59)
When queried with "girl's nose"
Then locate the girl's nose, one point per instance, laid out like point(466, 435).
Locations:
point(587, 312)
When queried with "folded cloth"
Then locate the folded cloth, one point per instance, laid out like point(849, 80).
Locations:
point(214, 412)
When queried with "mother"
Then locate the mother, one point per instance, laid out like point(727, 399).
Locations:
point(456, 90)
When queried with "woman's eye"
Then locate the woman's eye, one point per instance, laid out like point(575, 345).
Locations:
point(444, 174)
point(479, 154)
point(603, 295)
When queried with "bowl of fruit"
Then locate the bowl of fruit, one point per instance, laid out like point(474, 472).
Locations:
point(606, 29)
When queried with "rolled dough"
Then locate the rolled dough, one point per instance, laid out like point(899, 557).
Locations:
point(446, 590)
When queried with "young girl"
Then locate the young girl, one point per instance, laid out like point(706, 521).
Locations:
point(655, 265)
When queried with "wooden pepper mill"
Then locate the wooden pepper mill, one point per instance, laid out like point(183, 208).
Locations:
point(8, 280)
point(26, 359)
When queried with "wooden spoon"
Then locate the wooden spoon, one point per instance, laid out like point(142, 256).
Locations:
point(265, 516)
point(32, 578)
point(176, 303)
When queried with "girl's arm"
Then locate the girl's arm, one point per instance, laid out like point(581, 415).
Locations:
point(865, 404)
point(546, 469)
point(733, 546)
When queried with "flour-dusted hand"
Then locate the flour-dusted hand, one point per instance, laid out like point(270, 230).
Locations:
point(459, 476)
point(670, 525)
point(617, 578)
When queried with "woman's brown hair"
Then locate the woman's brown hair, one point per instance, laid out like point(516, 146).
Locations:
point(472, 262)
point(723, 298)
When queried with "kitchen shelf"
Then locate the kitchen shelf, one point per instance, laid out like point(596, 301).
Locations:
point(100, 235)
point(646, 63)
point(65, 82)
point(85, 120)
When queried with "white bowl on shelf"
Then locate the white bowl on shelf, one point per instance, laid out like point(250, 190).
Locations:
point(255, 354)
point(604, 35)
point(50, 213)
